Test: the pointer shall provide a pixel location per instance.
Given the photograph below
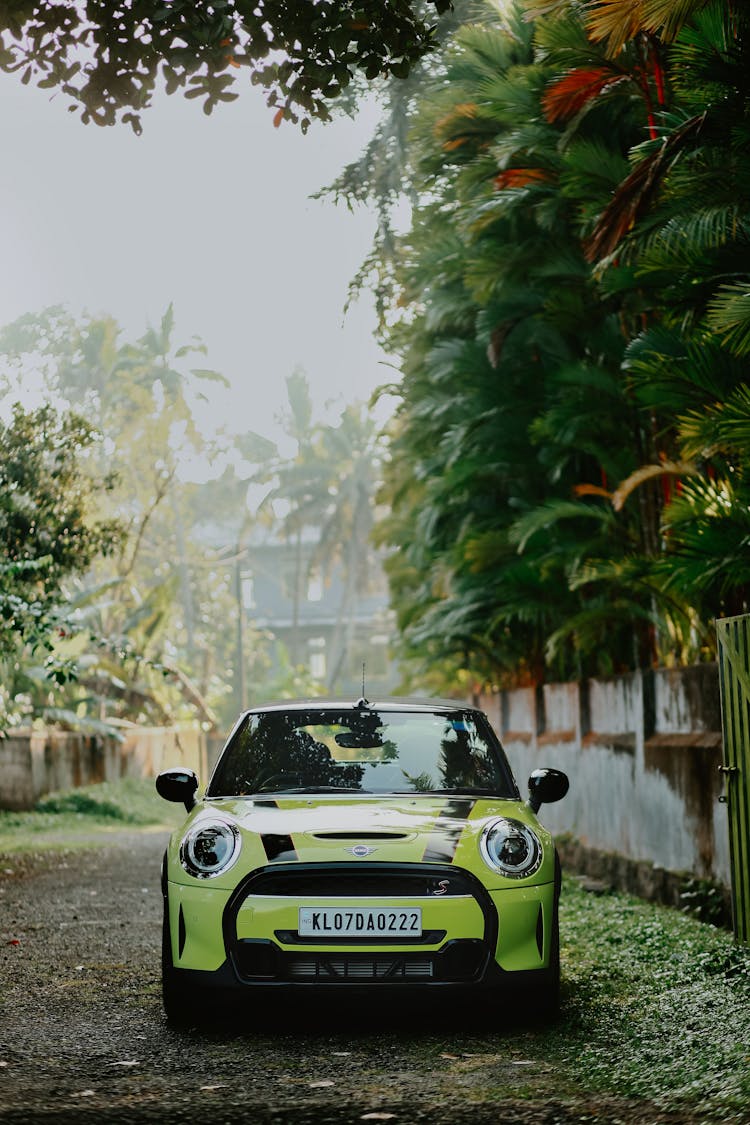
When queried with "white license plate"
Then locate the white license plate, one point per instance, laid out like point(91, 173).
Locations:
point(362, 921)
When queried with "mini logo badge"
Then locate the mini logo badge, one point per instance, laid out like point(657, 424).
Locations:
point(360, 850)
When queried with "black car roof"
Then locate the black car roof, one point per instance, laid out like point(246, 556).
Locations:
point(406, 703)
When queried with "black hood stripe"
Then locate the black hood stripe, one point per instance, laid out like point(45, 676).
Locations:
point(443, 840)
point(279, 848)
point(458, 808)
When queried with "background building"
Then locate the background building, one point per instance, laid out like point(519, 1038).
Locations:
point(317, 621)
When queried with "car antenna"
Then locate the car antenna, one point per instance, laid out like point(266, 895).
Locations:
point(363, 702)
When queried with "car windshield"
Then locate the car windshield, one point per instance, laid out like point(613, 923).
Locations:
point(316, 751)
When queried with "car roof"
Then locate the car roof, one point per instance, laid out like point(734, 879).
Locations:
point(392, 703)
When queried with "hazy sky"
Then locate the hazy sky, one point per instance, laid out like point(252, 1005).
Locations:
point(211, 213)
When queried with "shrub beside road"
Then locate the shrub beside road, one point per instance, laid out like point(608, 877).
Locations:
point(78, 818)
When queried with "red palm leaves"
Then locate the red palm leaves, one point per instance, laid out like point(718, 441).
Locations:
point(636, 192)
point(520, 177)
point(569, 95)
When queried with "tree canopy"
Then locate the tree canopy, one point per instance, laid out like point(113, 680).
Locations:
point(133, 619)
point(108, 58)
point(51, 530)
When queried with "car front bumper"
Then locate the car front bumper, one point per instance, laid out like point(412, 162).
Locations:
point(248, 937)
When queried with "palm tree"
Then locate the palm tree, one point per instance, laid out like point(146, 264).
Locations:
point(328, 487)
point(352, 451)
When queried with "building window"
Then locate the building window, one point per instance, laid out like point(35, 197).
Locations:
point(315, 586)
point(248, 591)
point(317, 650)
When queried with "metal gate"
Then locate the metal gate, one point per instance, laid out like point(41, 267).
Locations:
point(734, 677)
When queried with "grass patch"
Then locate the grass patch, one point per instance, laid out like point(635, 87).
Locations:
point(62, 819)
point(657, 1005)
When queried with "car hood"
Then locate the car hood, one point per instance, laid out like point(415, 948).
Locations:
point(337, 829)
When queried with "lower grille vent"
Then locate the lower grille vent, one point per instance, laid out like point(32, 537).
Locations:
point(262, 960)
point(345, 968)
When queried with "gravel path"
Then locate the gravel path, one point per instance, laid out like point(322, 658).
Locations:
point(83, 1038)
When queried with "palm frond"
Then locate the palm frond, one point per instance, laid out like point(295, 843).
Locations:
point(592, 168)
point(637, 192)
point(647, 473)
point(666, 18)
point(615, 21)
point(595, 625)
point(729, 316)
point(570, 94)
point(550, 513)
point(721, 428)
point(674, 374)
point(71, 720)
point(686, 237)
point(536, 9)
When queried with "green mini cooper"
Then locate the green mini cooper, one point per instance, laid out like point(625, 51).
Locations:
point(377, 847)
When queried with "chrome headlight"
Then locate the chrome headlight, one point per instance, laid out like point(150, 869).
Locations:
point(210, 848)
point(510, 847)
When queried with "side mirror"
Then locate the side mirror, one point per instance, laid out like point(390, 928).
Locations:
point(546, 786)
point(178, 784)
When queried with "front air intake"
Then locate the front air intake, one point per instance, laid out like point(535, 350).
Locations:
point(359, 968)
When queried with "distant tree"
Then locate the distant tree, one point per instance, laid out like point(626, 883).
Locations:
point(329, 486)
point(146, 640)
point(109, 57)
point(50, 527)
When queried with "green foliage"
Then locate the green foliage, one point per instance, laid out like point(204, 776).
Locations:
point(109, 60)
point(142, 626)
point(706, 901)
point(567, 470)
point(47, 496)
point(81, 803)
point(508, 358)
point(135, 639)
point(636, 974)
point(51, 530)
point(78, 814)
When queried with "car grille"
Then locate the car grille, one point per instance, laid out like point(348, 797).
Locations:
point(355, 968)
point(340, 881)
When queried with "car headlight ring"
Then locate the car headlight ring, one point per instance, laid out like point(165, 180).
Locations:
point(511, 847)
point(210, 848)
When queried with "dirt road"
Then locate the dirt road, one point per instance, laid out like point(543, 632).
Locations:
point(83, 1038)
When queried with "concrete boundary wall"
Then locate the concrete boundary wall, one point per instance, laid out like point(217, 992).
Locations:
point(35, 762)
point(642, 753)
